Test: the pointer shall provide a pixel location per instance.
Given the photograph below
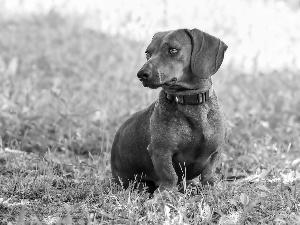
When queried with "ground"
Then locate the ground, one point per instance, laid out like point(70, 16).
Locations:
point(64, 91)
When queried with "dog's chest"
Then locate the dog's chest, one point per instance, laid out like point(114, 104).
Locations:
point(179, 128)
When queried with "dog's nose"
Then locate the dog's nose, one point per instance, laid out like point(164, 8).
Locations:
point(143, 74)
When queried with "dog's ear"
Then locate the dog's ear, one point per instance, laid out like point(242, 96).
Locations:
point(207, 53)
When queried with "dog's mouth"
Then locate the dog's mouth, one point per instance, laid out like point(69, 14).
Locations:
point(168, 84)
point(149, 85)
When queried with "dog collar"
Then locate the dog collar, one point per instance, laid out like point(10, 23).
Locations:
point(194, 99)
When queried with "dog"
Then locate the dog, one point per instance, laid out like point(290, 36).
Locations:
point(181, 135)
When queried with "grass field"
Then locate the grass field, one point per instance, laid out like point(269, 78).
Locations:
point(64, 91)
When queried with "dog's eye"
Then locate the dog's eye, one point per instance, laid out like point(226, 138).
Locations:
point(173, 50)
point(148, 56)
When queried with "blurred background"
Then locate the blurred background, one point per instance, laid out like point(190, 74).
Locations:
point(262, 34)
point(68, 70)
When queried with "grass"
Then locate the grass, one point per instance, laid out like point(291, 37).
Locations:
point(64, 92)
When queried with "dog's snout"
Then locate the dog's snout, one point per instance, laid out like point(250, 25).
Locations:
point(143, 74)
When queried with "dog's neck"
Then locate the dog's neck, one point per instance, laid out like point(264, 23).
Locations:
point(190, 99)
point(188, 87)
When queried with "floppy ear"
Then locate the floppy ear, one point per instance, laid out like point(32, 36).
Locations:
point(207, 53)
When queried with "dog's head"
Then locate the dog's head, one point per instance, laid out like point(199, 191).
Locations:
point(182, 60)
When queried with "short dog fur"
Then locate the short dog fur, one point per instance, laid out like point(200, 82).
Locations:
point(183, 132)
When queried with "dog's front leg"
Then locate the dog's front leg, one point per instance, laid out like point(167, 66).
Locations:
point(162, 160)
